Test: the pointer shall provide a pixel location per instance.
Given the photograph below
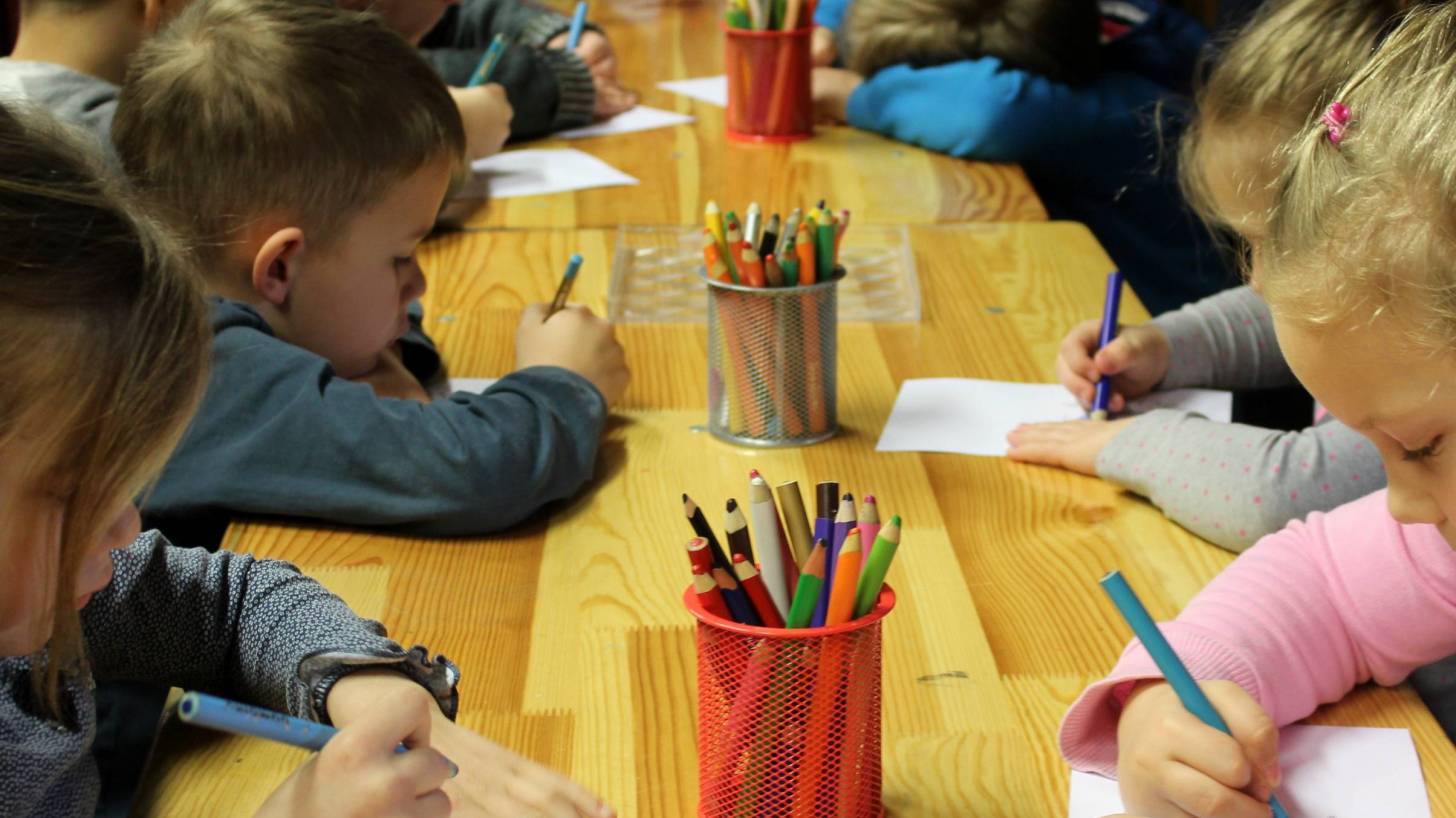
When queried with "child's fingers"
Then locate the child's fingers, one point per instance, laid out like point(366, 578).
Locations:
point(1253, 729)
point(426, 769)
point(399, 719)
point(1202, 797)
point(1081, 388)
point(1078, 347)
point(544, 792)
point(432, 805)
point(1115, 358)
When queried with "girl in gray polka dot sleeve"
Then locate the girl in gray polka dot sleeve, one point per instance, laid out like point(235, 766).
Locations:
point(1228, 483)
point(105, 345)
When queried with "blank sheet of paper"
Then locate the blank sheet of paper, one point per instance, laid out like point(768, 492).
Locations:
point(712, 90)
point(1329, 772)
point(969, 416)
point(535, 172)
point(640, 118)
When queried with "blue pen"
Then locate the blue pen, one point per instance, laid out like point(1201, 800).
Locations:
point(488, 62)
point(563, 291)
point(1168, 662)
point(216, 713)
point(1110, 308)
point(577, 21)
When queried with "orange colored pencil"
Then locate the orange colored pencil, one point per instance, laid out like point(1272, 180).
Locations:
point(752, 267)
point(752, 584)
point(846, 580)
point(804, 247)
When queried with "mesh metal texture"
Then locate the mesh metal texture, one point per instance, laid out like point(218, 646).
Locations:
point(789, 724)
point(771, 363)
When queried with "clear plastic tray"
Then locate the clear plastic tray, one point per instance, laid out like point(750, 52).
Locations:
point(656, 276)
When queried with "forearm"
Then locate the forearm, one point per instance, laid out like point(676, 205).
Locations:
point(1225, 341)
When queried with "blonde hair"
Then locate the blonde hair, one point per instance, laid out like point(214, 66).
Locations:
point(106, 348)
point(1057, 39)
point(1367, 227)
point(1276, 71)
point(245, 108)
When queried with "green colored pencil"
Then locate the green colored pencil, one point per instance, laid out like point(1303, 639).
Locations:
point(872, 577)
point(811, 581)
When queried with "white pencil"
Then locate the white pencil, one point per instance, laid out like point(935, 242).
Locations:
point(769, 536)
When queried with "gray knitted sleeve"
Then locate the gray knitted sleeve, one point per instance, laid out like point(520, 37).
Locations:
point(1225, 341)
point(1231, 484)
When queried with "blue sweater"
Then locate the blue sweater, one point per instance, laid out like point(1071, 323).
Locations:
point(1101, 153)
point(279, 434)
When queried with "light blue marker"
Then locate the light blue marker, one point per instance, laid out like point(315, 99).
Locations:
point(240, 719)
point(563, 291)
point(1167, 661)
point(577, 21)
point(488, 62)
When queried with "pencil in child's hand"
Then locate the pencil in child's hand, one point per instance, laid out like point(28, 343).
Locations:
point(757, 593)
point(1167, 660)
point(737, 527)
point(811, 580)
point(488, 62)
point(1110, 307)
point(215, 713)
point(578, 22)
point(563, 291)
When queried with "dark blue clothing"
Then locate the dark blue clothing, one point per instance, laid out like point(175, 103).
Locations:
point(279, 434)
point(1101, 153)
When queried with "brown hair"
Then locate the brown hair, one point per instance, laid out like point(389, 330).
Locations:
point(1057, 39)
point(242, 108)
point(106, 347)
point(1270, 76)
point(1367, 228)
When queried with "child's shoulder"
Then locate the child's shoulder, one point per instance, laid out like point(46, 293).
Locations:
point(71, 96)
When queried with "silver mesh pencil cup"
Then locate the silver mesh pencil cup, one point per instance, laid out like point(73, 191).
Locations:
point(771, 363)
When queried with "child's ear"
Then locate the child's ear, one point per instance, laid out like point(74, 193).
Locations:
point(276, 266)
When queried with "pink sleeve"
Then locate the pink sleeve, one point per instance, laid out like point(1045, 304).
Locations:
point(1298, 621)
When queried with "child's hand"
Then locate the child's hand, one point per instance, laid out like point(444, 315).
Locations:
point(832, 87)
point(822, 47)
point(1136, 360)
point(594, 49)
point(1171, 765)
point(359, 775)
point(577, 340)
point(612, 97)
point(390, 379)
point(497, 783)
point(486, 115)
point(1073, 445)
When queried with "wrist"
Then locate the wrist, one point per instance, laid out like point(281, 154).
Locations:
point(358, 693)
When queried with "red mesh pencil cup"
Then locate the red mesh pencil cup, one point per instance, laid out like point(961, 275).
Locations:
point(769, 94)
point(789, 720)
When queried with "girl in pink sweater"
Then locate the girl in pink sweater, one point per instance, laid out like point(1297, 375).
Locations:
point(1360, 274)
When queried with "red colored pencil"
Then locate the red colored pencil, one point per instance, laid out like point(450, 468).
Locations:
point(700, 556)
point(752, 584)
point(708, 595)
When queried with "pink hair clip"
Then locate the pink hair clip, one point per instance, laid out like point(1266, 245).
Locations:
point(1336, 118)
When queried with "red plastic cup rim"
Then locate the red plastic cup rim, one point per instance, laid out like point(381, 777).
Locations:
point(883, 606)
point(801, 31)
point(776, 139)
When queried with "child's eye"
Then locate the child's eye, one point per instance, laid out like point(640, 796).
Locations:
point(1425, 452)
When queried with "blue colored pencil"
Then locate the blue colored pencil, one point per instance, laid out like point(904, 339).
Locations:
point(1111, 306)
point(1169, 664)
point(843, 522)
point(488, 62)
point(577, 21)
point(563, 291)
point(240, 719)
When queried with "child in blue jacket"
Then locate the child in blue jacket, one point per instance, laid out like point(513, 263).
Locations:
point(1088, 98)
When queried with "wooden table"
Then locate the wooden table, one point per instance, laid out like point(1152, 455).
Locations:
point(883, 182)
point(571, 634)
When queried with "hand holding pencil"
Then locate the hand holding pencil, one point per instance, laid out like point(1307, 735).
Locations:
point(576, 340)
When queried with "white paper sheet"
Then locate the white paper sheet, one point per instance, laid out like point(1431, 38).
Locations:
point(641, 118)
point(1329, 772)
point(535, 172)
point(712, 90)
point(969, 416)
point(476, 385)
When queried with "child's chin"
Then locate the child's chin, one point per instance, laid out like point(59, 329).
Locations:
point(83, 600)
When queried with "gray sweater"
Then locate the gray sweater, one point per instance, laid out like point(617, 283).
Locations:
point(279, 434)
point(1231, 483)
point(228, 624)
point(78, 99)
point(550, 89)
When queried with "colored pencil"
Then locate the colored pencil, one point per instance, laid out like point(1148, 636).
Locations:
point(488, 62)
point(811, 580)
point(768, 242)
point(563, 291)
point(791, 15)
point(876, 566)
point(752, 266)
point(699, 555)
point(736, 526)
point(757, 592)
point(846, 576)
point(772, 271)
point(708, 594)
point(796, 523)
point(773, 551)
point(824, 247)
point(1111, 305)
point(733, 596)
point(578, 21)
point(753, 224)
point(699, 522)
point(843, 522)
point(1167, 660)
point(869, 523)
point(804, 246)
